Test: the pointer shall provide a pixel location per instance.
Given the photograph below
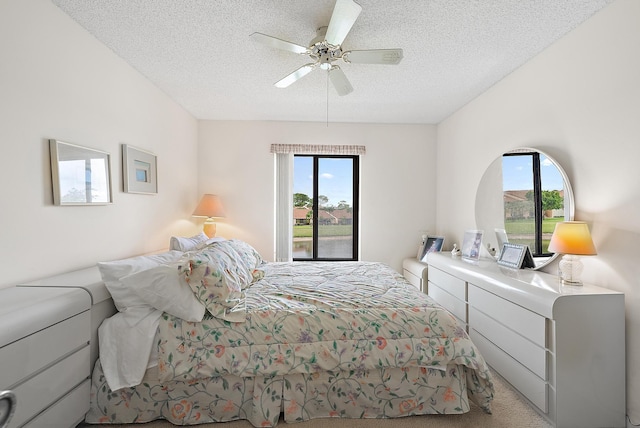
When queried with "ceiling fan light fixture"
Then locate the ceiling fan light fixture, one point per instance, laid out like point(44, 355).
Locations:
point(325, 60)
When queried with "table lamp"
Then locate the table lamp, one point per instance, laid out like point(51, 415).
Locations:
point(572, 238)
point(209, 207)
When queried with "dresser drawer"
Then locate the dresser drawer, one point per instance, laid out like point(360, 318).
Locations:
point(529, 354)
point(454, 286)
point(40, 391)
point(71, 407)
point(42, 348)
point(454, 305)
point(526, 323)
point(530, 385)
point(414, 280)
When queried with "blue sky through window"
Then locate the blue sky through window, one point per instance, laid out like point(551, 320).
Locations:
point(335, 181)
point(517, 173)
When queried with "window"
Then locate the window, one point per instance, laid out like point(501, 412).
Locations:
point(325, 207)
point(533, 199)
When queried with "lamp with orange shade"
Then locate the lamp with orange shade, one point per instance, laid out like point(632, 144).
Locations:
point(210, 207)
point(572, 238)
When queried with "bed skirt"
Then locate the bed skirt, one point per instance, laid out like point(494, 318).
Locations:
point(382, 393)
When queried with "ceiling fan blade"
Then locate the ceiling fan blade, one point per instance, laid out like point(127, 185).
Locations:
point(344, 16)
point(340, 81)
point(374, 56)
point(296, 75)
point(277, 43)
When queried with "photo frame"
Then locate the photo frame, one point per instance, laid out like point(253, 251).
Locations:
point(139, 170)
point(515, 256)
point(79, 175)
point(471, 244)
point(431, 244)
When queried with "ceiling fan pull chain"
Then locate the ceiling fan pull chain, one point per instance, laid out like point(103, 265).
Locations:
point(327, 98)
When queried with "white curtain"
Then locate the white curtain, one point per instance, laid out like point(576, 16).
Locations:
point(284, 207)
point(284, 188)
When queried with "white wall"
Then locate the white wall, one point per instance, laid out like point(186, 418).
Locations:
point(579, 101)
point(57, 81)
point(397, 180)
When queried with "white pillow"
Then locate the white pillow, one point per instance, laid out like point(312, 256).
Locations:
point(187, 244)
point(112, 272)
point(162, 288)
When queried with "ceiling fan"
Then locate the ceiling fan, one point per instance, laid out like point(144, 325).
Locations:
point(326, 48)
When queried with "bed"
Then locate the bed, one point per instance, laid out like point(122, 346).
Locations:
point(215, 334)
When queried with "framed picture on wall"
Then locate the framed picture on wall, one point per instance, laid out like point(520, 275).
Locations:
point(471, 244)
point(139, 170)
point(80, 175)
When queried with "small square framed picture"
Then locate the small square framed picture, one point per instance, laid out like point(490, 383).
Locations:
point(471, 244)
point(139, 170)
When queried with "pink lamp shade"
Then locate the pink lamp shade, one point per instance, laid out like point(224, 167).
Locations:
point(210, 206)
point(572, 238)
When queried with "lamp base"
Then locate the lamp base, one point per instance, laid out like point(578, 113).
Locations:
point(209, 227)
point(571, 269)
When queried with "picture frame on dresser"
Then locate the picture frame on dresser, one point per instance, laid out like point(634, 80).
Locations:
point(471, 243)
point(139, 170)
point(515, 256)
point(431, 244)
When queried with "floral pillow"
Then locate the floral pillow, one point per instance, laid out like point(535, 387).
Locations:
point(241, 259)
point(216, 282)
point(249, 256)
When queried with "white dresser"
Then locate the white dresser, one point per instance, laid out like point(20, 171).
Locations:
point(415, 272)
point(45, 354)
point(562, 347)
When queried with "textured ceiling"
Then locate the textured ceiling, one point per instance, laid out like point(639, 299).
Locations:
point(199, 52)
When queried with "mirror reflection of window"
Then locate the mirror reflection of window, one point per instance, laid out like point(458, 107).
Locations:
point(83, 180)
point(533, 192)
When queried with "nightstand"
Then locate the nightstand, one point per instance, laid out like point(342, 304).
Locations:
point(415, 272)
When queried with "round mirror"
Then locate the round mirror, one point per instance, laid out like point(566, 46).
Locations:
point(520, 198)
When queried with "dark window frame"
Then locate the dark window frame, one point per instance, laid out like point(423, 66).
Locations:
point(537, 201)
point(355, 206)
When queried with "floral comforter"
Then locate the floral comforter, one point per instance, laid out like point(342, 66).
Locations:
point(305, 318)
point(314, 340)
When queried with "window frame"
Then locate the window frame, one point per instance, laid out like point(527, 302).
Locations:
point(355, 206)
point(537, 200)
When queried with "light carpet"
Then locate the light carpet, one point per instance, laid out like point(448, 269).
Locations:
point(509, 411)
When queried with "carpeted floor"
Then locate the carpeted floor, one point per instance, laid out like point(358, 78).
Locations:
point(509, 411)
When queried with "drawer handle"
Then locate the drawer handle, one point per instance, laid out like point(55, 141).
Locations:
point(7, 407)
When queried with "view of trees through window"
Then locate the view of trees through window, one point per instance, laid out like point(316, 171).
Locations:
point(325, 213)
point(533, 199)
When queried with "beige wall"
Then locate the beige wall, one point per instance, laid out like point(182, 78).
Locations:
point(579, 101)
point(397, 180)
point(57, 81)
